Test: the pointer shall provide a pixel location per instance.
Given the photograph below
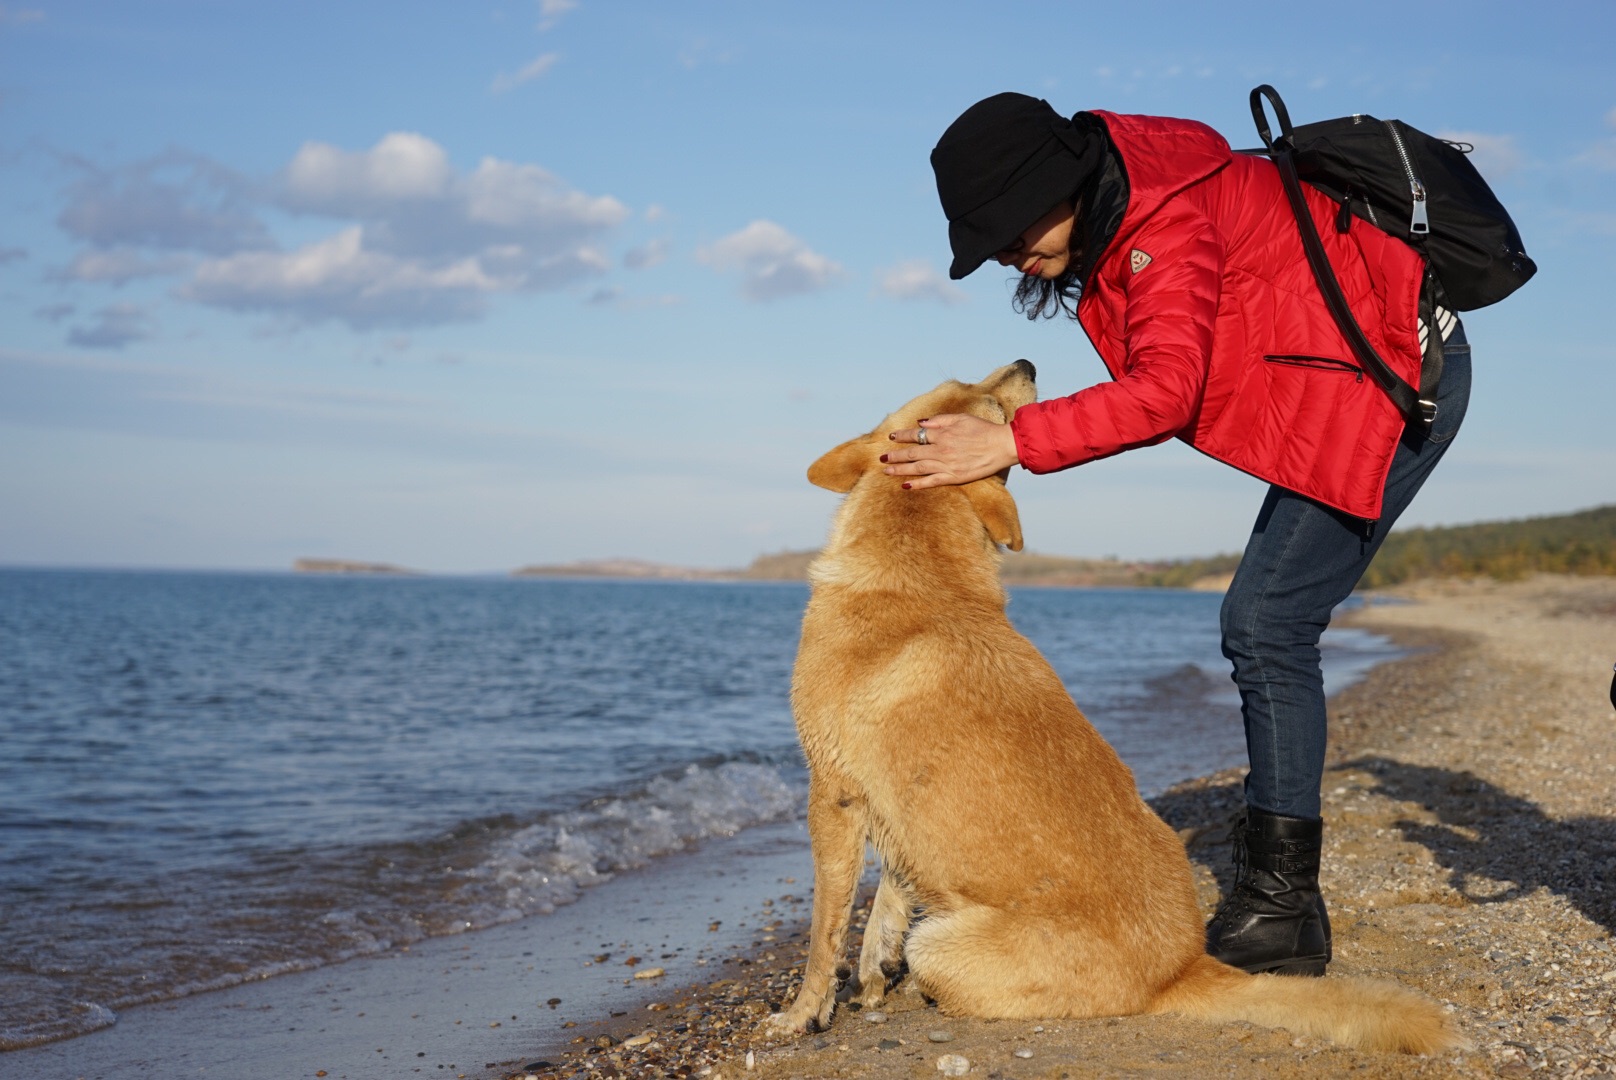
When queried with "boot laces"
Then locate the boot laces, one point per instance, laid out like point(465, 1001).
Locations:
point(1234, 905)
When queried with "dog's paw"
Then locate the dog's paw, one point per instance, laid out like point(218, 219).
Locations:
point(871, 994)
point(790, 1023)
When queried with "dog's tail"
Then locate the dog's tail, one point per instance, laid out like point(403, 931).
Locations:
point(1360, 1013)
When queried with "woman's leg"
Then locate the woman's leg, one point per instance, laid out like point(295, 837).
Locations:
point(1303, 559)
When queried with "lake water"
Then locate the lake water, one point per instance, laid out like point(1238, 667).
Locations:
point(210, 778)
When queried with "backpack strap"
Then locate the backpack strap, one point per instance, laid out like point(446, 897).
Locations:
point(1408, 400)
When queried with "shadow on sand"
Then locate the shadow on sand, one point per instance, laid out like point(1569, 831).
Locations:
point(1497, 846)
point(1494, 845)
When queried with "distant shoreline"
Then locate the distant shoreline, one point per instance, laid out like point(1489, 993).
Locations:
point(1019, 568)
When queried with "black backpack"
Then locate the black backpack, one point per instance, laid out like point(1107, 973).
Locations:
point(1414, 186)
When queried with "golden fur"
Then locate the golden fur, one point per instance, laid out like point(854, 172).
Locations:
point(935, 730)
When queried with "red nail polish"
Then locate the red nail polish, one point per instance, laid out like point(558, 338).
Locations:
point(906, 487)
point(892, 434)
point(923, 419)
point(883, 459)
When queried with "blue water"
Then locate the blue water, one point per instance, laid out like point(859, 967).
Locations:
point(215, 777)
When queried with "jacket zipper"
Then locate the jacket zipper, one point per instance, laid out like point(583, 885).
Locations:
point(1303, 360)
point(1419, 224)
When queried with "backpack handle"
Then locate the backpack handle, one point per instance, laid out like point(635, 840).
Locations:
point(1259, 114)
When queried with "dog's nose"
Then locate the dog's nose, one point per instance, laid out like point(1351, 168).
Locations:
point(1027, 369)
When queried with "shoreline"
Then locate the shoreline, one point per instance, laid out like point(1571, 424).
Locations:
point(1469, 843)
point(466, 1005)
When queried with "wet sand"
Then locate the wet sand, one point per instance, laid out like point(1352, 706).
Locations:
point(472, 1005)
point(1470, 854)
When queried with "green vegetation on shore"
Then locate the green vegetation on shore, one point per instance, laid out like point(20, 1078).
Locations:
point(1582, 543)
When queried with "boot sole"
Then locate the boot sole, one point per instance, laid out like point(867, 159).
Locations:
point(1310, 966)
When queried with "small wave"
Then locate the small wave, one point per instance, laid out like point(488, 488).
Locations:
point(548, 864)
point(311, 909)
point(43, 1013)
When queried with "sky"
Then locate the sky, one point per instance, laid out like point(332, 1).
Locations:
point(469, 286)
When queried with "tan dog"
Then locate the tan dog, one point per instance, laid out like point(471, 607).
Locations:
point(937, 731)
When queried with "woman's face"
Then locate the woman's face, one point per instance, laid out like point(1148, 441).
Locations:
point(1045, 248)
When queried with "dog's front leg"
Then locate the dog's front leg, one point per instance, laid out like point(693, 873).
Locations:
point(883, 940)
point(836, 828)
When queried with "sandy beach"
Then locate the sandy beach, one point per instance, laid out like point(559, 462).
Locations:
point(1470, 854)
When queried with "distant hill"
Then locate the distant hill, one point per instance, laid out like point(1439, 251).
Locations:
point(1580, 543)
point(620, 568)
point(1032, 568)
point(345, 566)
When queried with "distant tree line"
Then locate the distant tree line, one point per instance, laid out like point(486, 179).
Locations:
point(1581, 543)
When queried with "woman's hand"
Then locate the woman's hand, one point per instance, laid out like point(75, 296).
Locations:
point(957, 450)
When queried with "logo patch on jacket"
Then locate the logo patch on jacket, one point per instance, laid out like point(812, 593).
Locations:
point(1138, 260)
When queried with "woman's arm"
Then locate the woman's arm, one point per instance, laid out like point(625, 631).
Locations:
point(1170, 306)
point(1170, 310)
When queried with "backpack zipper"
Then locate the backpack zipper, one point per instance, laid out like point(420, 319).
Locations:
point(1419, 224)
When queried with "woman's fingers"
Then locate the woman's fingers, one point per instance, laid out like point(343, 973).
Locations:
point(957, 450)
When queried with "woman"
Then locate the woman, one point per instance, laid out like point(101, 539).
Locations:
point(1183, 263)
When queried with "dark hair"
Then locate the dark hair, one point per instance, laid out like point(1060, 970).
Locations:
point(1044, 298)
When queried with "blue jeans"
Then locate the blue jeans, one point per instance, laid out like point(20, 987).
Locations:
point(1302, 560)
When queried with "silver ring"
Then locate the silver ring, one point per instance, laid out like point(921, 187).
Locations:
point(920, 436)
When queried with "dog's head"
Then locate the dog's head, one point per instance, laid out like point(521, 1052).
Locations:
point(995, 398)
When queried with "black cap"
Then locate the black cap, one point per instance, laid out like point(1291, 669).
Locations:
point(1005, 163)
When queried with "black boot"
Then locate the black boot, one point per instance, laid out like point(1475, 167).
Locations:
point(1274, 919)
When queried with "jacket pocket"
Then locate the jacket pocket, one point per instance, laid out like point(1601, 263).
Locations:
point(1322, 363)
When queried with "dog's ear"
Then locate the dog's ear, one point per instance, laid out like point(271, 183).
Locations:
point(839, 469)
point(997, 511)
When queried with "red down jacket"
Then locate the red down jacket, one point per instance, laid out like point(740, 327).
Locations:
point(1206, 313)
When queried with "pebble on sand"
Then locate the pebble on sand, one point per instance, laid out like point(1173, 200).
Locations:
point(940, 1036)
point(1023, 1053)
point(875, 1017)
point(650, 973)
point(953, 1065)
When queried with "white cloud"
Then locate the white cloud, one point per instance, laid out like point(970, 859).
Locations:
point(504, 83)
point(418, 240)
point(432, 244)
point(916, 279)
point(646, 255)
point(550, 11)
point(1494, 156)
point(340, 278)
point(414, 201)
point(402, 167)
point(529, 200)
point(117, 266)
point(773, 263)
point(116, 326)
